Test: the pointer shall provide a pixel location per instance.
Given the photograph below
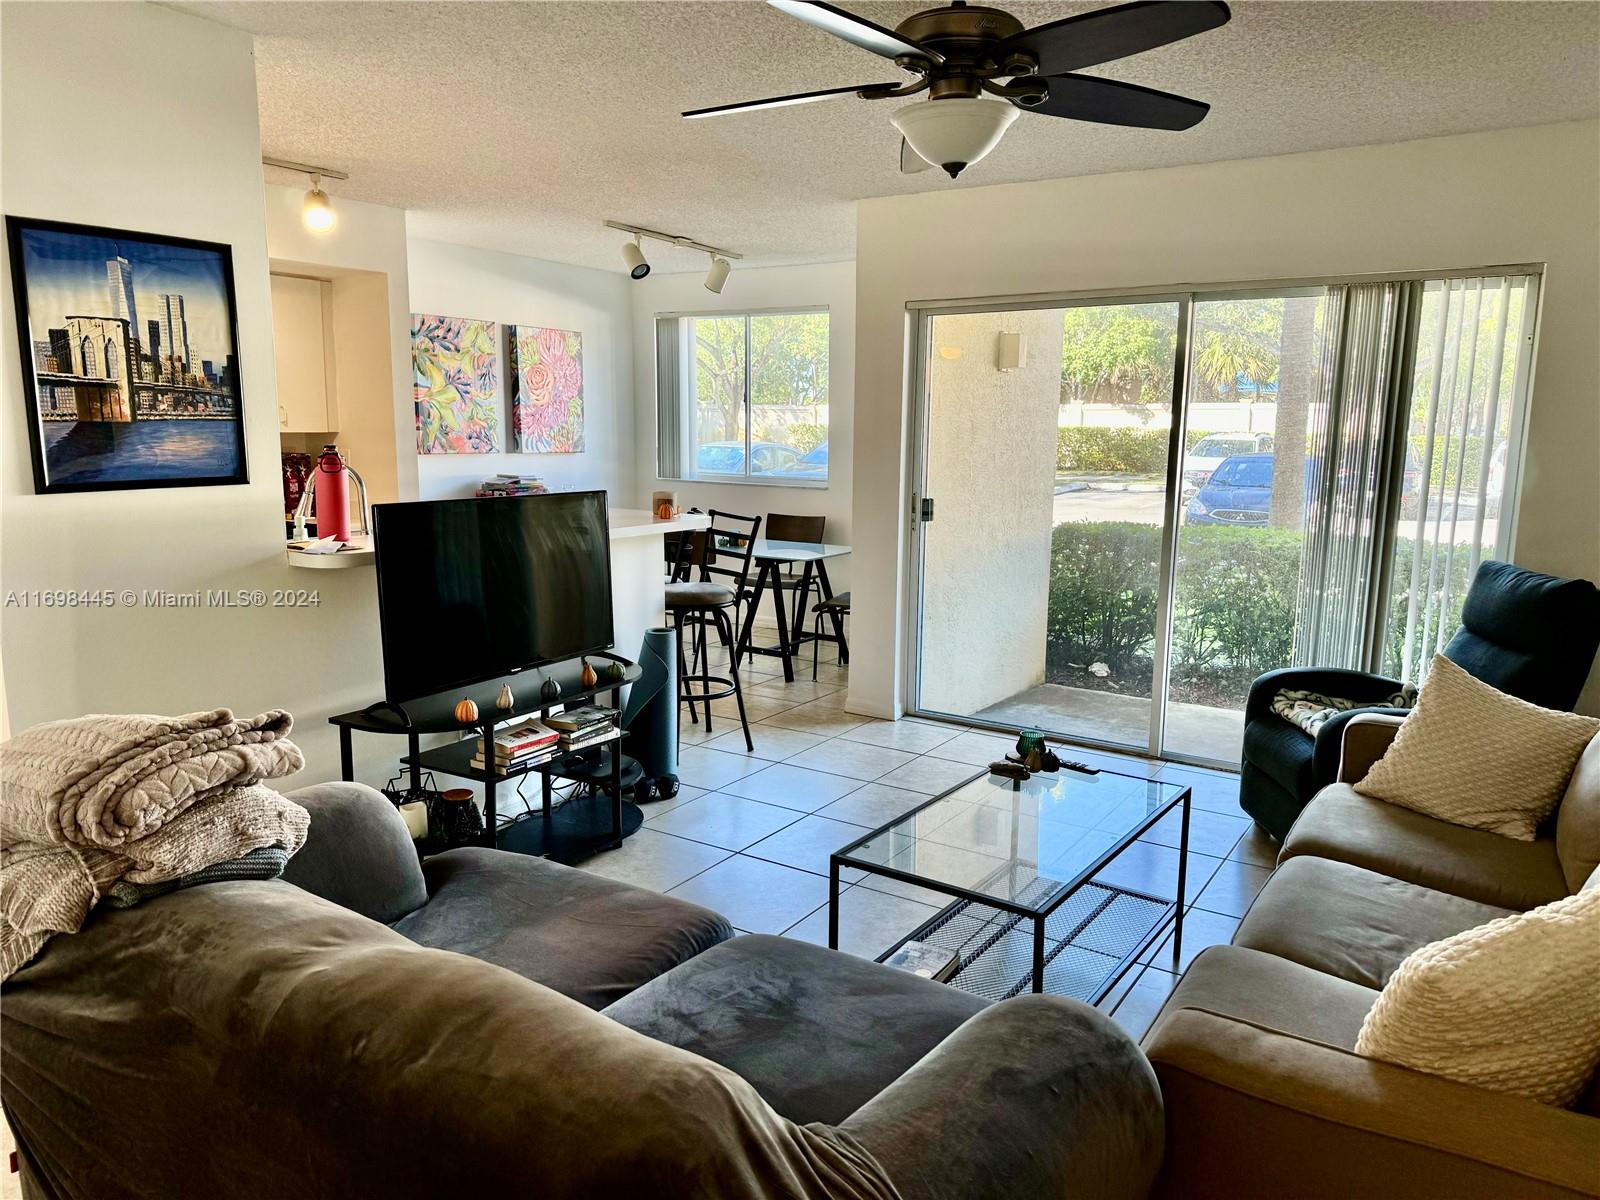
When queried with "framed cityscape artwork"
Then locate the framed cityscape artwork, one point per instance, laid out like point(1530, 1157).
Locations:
point(130, 357)
point(546, 390)
point(455, 380)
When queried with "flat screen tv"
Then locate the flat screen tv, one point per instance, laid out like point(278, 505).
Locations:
point(472, 589)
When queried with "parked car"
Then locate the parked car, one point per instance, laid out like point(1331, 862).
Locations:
point(1210, 451)
point(1237, 492)
point(727, 458)
point(1496, 486)
point(812, 465)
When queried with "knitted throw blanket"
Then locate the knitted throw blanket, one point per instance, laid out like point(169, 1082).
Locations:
point(94, 801)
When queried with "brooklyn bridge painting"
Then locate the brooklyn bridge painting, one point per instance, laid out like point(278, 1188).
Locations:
point(130, 357)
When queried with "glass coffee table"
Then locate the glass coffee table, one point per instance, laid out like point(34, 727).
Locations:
point(1019, 858)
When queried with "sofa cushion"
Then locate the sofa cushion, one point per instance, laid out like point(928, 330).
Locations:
point(1265, 990)
point(1283, 752)
point(1343, 825)
point(1471, 754)
point(1351, 922)
point(358, 852)
point(1578, 819)
point(586, 937)
point(817, 1032)
point(1451, 1007)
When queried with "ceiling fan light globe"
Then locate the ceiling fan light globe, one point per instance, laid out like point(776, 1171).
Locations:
point(954, 133)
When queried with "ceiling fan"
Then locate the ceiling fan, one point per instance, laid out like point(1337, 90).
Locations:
point(962, 51)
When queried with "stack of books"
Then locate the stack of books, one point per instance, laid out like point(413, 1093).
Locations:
point(588, 725)
point(511, 485)
point(521, 745)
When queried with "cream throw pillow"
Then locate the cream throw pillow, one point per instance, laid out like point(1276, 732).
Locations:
point(1472, 755)
point(1511, 1006)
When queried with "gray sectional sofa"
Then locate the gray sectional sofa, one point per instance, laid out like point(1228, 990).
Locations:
point(490, 1024)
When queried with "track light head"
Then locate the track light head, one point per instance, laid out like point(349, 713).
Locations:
point(317, 211)
point(638, 265)
point(718, 274)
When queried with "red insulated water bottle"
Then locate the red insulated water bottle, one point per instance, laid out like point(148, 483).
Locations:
point(332, 498)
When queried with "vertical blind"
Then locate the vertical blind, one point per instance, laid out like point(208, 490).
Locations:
point(670, 360)
point(1474, 350)
point(1410, 452)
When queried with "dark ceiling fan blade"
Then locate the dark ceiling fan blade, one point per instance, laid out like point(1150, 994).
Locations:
point(784, 101)
point(1086, 98)
point(1111, 33)
point(856, 30)
point(911, 163)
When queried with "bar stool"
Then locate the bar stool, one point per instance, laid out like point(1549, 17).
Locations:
point(836, 609)
point(725, 550)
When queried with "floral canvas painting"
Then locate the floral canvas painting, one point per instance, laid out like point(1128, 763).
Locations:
point(455, 376)
point(547, 390)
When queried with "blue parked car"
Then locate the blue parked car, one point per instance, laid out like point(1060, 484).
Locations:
point(812, 465)
point(1239, 492)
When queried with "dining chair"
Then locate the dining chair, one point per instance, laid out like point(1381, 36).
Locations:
point(712, 573)
point(835, 609)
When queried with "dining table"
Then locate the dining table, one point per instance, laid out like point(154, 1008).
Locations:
point(771, 557)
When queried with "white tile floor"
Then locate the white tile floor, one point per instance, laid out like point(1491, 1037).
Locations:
point(750, 832)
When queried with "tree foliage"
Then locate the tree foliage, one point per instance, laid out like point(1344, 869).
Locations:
point(788, 366)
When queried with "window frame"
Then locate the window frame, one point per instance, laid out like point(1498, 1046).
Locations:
point(686, 394)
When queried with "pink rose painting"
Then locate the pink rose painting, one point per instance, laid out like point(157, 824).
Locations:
point(547, 390)
point(455, 378)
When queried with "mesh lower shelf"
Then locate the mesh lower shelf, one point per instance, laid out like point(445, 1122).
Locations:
point(1086, 940)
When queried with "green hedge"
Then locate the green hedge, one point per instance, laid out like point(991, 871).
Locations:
point(1470, 469)
point(1233, 619)
point(1234, 613)
point(1129, 449)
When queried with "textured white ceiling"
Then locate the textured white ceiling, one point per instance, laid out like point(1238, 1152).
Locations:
point(519, 126)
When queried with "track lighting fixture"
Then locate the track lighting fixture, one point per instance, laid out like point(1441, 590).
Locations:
point(639, 266)
point(718, 274)
point(317, 210)
point(633, 255)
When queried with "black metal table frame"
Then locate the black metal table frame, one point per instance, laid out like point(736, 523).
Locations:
point(417, 760)
point(841, 858)
point(789, 640)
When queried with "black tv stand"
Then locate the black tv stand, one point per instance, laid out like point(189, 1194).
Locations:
point(577, 830)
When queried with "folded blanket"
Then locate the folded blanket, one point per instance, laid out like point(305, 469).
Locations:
point(92, 802)
point(265, 863)
point(1312, 710)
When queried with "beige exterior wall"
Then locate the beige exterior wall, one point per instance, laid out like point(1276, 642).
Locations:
point(991, 473)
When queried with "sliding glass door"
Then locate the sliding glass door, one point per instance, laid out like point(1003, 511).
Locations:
point(1045, 515)
point(1128, 509)
point(1254, 370)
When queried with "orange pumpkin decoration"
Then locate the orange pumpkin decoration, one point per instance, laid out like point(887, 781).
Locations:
point(466, 710)
point(588, 678)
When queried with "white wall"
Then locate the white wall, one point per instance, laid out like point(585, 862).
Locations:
point(463, 281)
point(63, 69)
point(364, 254)
point(831, 286)
point(1510, 196)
